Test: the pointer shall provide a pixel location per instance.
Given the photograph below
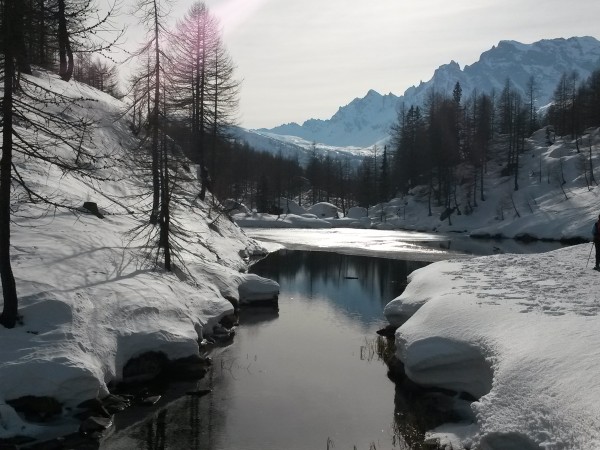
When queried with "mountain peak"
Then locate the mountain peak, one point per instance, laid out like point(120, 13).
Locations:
point(367, 120)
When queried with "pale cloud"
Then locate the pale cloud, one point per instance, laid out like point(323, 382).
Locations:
point(234, 13)
point(302, 59)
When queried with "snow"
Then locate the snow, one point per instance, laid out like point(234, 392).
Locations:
point(91, 296)
point(324, 210)
point(517, 332)
point(255, 288)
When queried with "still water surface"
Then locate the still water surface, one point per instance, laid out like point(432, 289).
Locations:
point(297, 377)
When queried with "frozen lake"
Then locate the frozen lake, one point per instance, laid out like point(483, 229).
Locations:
point(392, 244)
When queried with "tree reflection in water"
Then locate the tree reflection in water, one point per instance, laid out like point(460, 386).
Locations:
point(302, 377)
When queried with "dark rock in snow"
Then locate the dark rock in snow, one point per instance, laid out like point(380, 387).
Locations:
point(93, 208)
point(36, 409)
point(144, 367)
point(95, 424)
point(151, 400)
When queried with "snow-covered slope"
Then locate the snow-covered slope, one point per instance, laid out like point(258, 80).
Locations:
point(91, 295)
point(542, 208)
point(362, 122)
point(366, 121)
point(294, 147)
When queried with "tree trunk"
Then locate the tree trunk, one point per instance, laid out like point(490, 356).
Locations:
point(22, 53)
point(165, 214)
point(482, 196)
point(154, 123)
point(64, 46)
point(201, 117)
point(8, 318)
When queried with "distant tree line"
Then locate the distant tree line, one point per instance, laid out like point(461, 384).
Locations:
point(61, 35)
point(260, 179)
point(442, 145)
point(575, 105)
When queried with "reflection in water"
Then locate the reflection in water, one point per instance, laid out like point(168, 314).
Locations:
point(301, 378)
point(357, 286)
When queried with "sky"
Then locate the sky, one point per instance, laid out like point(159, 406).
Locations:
point(302, 59)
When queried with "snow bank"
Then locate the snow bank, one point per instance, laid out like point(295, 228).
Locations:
point(91, 294)
point(255, 288)
point(263, 220)
point(357, 212)
point(291, 207)
point(518, 332)
point(325, 210)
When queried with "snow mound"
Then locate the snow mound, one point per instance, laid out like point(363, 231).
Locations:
point(518, 332)
point(324, 210)
point(255, 288)
point(291, 207)
point(357, 212)
point(263, 220)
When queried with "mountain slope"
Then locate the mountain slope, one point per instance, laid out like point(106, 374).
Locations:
point(366, 121)
point(361, 123)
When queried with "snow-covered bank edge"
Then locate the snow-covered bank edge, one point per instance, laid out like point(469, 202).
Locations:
point(519, 333)
point(80, 331)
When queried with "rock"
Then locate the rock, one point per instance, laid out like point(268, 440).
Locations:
point(145, 367)
point(222, 334)
point(229, 321)
point(95, 424)
point(114, 403)
point(151, 400)
point(36, 409)
point(93, 208)
point(190, 368)
point(91, 407)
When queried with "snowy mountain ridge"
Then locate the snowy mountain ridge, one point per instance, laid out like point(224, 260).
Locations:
point(366, 121)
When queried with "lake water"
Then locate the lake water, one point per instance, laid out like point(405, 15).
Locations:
point(306, 376)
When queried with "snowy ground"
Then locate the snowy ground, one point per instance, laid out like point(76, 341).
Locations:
point(91, 295)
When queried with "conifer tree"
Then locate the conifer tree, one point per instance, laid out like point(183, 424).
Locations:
point(205, 92)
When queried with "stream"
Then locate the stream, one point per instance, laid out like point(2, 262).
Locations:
point(308, 375)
